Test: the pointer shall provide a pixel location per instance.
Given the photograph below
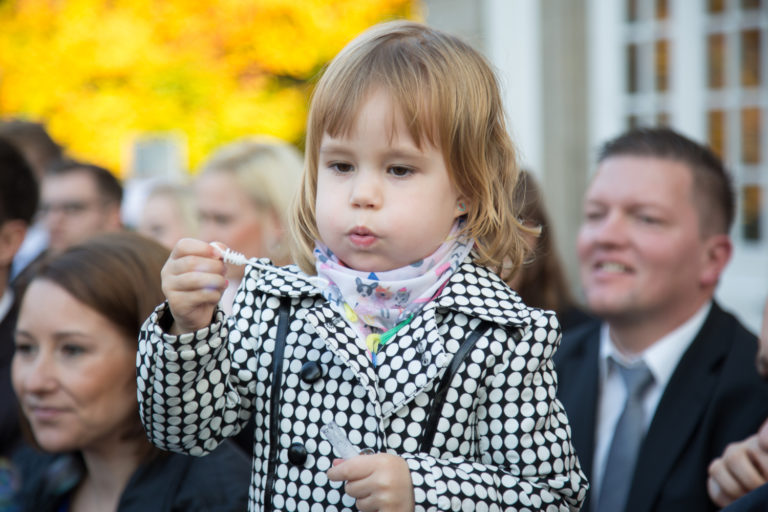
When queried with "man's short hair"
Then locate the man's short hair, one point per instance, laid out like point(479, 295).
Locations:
point(713, 192)
point(18, 186)
point(107, 185)
point(32, 140)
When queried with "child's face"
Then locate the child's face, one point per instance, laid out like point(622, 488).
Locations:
point(382, 203)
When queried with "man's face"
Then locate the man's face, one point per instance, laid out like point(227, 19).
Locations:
point(640, 245)
point(73, 210)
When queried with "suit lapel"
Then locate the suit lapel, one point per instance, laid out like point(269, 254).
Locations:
point(577, 368)
point(679, 411)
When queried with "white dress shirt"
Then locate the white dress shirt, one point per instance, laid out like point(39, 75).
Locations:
point(661, 358)
point(6, 301)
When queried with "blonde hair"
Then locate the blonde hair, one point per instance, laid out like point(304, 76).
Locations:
point(268, 170)
point(450, 99)
point(181, 196)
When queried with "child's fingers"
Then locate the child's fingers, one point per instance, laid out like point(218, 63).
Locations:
point(193, 282)
point(193, 263)
point(202, 277)
point(194, 247)
point(367, 503)
point(350, 469)
point(359, 489)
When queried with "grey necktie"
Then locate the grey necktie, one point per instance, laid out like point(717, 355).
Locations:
point(629, 433)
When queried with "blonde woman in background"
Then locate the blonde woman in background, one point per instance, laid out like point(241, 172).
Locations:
point(243, 195)
point(168, 214)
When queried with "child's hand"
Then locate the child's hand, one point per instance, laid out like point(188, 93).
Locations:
point(379, 482)
point(193, 282)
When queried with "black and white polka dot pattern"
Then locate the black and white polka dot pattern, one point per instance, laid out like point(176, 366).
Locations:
point(502, 441)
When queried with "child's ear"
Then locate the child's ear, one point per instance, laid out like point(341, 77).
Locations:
point(461, 207)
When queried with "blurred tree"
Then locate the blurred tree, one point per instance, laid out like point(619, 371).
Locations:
point(99, 72)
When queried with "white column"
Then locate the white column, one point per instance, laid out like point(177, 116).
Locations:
point(688, 68)
point(512, 38)
point(607, 70)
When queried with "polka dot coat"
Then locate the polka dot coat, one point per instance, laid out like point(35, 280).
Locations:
point(465, 393)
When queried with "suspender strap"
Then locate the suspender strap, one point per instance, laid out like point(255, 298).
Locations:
point(274, 399)
point(438, 400)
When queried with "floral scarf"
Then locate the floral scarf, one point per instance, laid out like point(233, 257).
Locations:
point(378, 304)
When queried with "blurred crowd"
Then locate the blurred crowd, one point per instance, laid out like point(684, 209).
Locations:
point(77, 279)
point(78, 276)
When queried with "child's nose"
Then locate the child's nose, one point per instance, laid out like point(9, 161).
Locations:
point(366, 191)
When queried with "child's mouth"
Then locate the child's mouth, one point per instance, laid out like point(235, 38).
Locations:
point(362, 237)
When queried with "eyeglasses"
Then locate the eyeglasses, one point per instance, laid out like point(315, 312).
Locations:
point(69, 208)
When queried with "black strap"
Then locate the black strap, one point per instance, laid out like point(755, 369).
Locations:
point(274, 400)
point(438, 400)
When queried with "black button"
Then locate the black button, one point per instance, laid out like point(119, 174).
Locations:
point(311, 371)
point(297, 454)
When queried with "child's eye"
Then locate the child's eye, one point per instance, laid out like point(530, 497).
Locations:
point(400, 171)
point(341, 167)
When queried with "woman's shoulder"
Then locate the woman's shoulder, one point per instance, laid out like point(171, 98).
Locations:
point(44, 479)
point(175, 482)
point(218, 481)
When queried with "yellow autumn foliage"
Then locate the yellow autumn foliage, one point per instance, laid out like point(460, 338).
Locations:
point(101, 72)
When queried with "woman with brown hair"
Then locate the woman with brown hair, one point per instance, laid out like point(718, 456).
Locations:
point(74, 373)
point(540, 280)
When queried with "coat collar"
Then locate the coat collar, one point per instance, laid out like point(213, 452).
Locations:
point(288, 281)
point(472, 290)
point(478, 292)
point(422, 345)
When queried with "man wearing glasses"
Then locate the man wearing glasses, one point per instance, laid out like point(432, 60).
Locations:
point(79, 200)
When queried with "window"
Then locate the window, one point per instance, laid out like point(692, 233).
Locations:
point(737, 102)
point(648, 60)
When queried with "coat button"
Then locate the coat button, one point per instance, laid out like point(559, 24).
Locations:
point(297, 454)
point(311, 371)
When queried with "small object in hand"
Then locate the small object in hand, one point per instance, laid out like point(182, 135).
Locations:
point(341, 444)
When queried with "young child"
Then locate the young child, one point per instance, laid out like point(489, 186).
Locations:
point(404, 337)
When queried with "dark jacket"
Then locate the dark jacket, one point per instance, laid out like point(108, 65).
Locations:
point(755, 501)
point(10, 435)
point(465, 393)
point(169, 483)
point(713, 398)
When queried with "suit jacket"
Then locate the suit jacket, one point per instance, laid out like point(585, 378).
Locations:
point(168, 483)
point(755, 501)
point(10, 434)
point(714, 397)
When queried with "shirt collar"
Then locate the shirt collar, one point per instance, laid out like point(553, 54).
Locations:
point(662, 356)
point(6, 301)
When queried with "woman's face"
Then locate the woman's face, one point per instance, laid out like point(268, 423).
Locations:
point(228, 215)
point(162, 220)
point(73, 371)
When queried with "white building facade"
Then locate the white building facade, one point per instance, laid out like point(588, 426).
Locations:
point(578, 72)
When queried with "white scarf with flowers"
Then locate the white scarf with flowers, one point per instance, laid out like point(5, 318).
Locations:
point(376, 302)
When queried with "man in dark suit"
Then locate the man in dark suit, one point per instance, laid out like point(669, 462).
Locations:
point(659, 387)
